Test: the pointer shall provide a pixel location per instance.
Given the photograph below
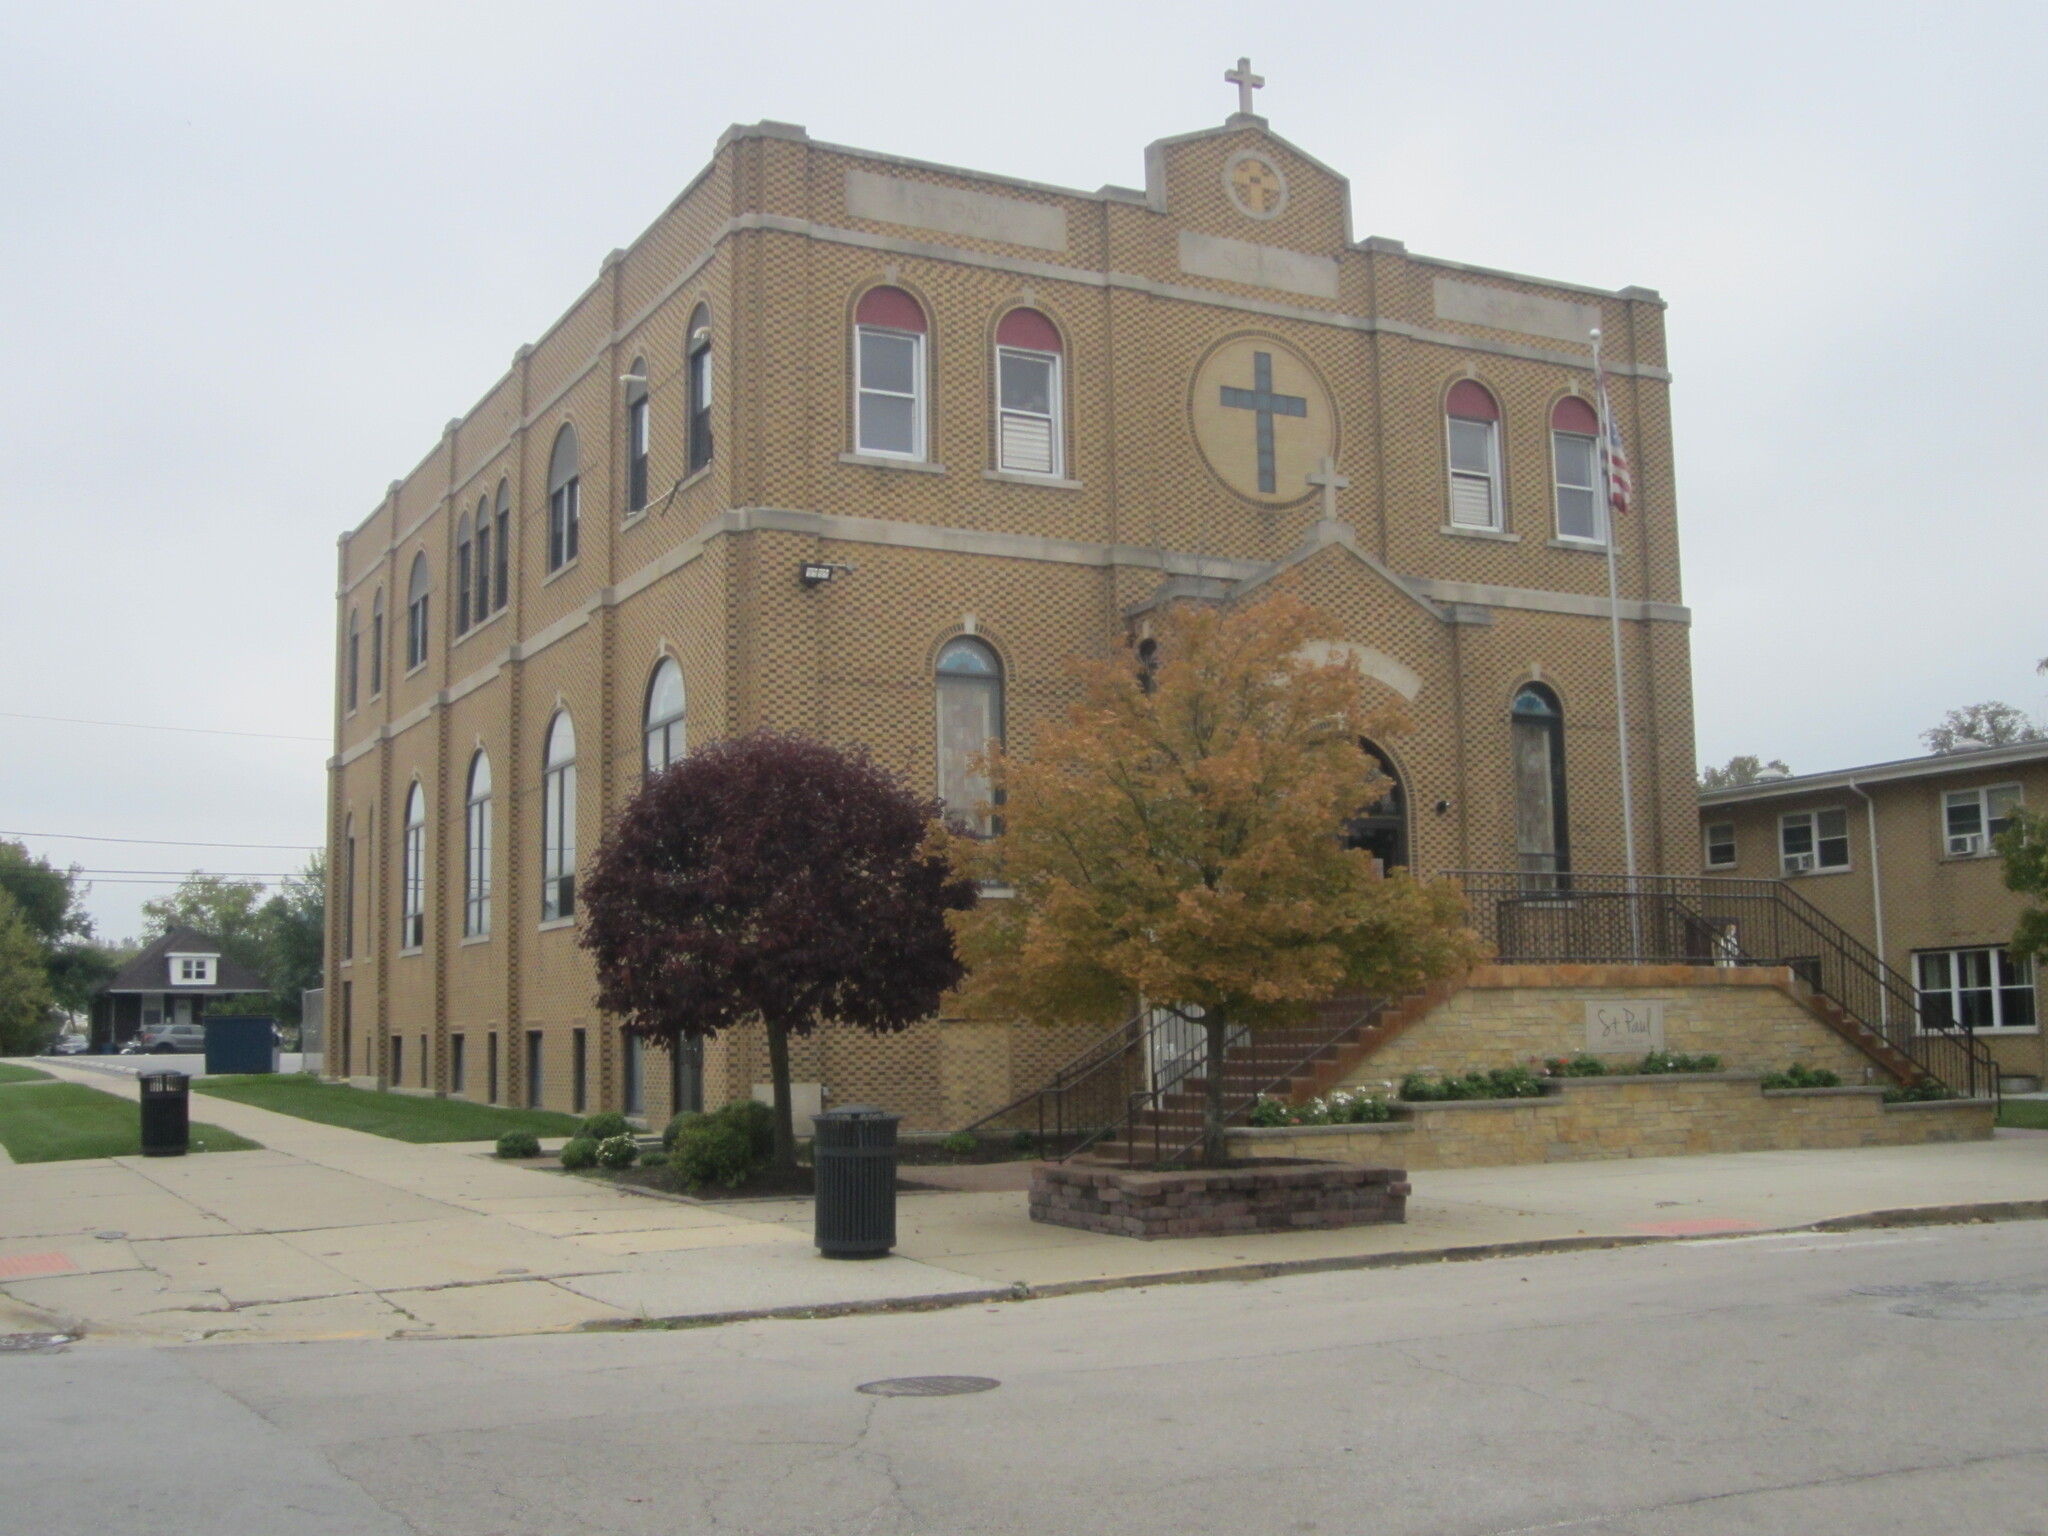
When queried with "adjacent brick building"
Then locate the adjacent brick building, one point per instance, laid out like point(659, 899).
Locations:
point(1900, 855)
point(868, 448)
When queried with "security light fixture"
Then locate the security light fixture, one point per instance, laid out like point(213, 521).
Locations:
point(817, 575)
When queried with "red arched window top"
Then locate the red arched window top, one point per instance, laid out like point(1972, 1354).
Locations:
point(890, 307)
point(1029, 329)
point(1472, 402)
point(1572, 414)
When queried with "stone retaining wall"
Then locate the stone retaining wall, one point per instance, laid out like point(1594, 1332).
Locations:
point(1287, 1196)
point(1606, 1117)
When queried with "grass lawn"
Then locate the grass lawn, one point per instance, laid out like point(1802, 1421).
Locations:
point(400, 1116)
point(53, 1122)
point(10, 1073)
point(2028, 1114)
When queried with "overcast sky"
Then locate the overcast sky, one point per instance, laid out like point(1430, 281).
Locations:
point(256, 254)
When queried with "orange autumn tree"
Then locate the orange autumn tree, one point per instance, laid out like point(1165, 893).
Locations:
point(1179, 840)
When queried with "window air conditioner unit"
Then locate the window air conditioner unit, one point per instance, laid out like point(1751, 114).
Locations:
point(1798, 863)
point(1963, 843)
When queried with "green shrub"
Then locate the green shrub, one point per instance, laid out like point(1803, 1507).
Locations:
point(960, 1144)
point(1500, 1083)
point(712, 1150)
point(670, 1131)
point(607, 1125)
point(519, 1144)
point(1799, 1075)
point(1925, 1092)
point(579, 1152)
point(617, 1152)
point(755, 1121)
point(1667, 1061)
point(1581, 1065)
point(1023, 1141)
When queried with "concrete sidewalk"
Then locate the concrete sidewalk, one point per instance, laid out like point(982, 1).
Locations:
point(331, 1233)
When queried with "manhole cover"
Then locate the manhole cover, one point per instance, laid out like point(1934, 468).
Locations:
point(928, 1386)
point(1961, 1301)
point(46, 1344)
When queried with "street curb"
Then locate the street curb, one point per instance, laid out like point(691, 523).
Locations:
point(1912, 1216)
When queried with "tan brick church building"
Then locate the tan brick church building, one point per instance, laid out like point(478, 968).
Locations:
point(866, 447)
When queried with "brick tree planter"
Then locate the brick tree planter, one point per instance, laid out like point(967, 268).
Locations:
point(1274, 1195)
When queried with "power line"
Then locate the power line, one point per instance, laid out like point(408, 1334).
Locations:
point(173, 880)
point(167, 842)
point(130, 725)
point(186, 874)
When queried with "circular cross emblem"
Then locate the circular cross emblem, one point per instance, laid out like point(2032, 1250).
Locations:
point(1262, 418)
point(1255, 186)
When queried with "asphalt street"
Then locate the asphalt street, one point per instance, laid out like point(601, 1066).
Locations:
point(1866, 1383)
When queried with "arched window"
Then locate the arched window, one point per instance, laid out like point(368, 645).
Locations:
point(970, 686)
point(1148, 664)
point(563, 492)
point(416, 614)
point(480, 606)
point(348, 888)
point(377, 643)
point(664, 723)
point(1382, 828)
point(889, 374)
point(1574, 434)
point(1542, 848)
point(1030, 433)
point(1472, 420)
point(412, 906)
point(465, 575)
point(639, 434)
point(501, 552)
point(558, 822)
point(476, 850)
point(699, 370)
point(352, 665)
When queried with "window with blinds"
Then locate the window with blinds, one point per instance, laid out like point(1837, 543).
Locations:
point(1027, 421)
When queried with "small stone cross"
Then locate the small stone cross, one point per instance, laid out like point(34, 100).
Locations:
point(1331, 482)
point(1246, 82)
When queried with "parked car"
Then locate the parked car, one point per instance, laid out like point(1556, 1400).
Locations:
point(165, 1039)
point(69, 1045)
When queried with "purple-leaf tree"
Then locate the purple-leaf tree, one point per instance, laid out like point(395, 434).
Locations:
point(776, 878)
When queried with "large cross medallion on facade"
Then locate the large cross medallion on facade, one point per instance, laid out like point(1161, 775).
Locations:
point(1261, 400)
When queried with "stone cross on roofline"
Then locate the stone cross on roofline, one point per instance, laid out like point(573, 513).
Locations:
point(1246, 82)
point(1331, 483)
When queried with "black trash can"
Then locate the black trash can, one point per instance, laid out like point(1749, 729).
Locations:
point(854, 1155)
point(166, 1114)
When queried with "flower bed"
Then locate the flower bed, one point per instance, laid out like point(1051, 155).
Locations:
point(1255, 1195)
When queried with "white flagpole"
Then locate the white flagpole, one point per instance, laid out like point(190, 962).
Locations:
point(1628, 807)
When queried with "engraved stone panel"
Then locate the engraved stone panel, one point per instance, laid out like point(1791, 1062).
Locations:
point(1262, 266)
point(1477, 304)
point(1625, 1026)
point(893, 200)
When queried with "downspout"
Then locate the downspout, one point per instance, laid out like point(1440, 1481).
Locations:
point(1876, 900)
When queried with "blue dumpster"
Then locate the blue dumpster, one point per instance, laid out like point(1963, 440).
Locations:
point(241, 1044)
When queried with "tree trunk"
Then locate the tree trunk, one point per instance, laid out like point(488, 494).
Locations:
point(778, 1074)
point(1217, 1029)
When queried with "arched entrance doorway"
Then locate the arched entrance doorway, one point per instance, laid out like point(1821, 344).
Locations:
point(1382, 828)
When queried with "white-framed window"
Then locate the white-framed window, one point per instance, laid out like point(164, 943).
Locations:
point(666, 707)
point(970, 717)
point(639, 435)
point(1980, 988)
point(1971, 818)
point(1721, 845)
point(558, 822)
point(412, 914)
point(1575, 471)
point(476, 850)
point(416, 614)
point(1472, 425)
point(192, 970)
point(699, 361)
point(889, 374)
point(355, 659)
point(564, 499)
point(465, 573)
point(377, 643)
point(1030, 413)
point(1809, 841)
point(501, 552)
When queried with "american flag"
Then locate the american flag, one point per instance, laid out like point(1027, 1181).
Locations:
point(1619, 487)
